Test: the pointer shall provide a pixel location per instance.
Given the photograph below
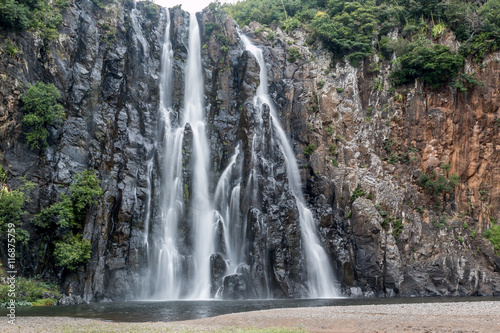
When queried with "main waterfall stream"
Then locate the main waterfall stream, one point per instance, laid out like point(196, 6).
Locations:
point(199, 229)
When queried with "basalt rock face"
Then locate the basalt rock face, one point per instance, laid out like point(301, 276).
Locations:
point(388, 241)
point(108, 78)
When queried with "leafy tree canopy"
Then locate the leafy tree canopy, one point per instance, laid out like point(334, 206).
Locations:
point(41, 110)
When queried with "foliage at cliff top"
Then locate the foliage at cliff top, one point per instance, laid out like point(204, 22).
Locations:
point(358, 28)
point(39, 15)
point(41, 110)
point(434, 64)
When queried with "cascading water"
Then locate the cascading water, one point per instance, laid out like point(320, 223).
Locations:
point(319, 271)
point(184, 198)
point(193, 230)
point(201, 211)
point(227, 199)
point(165, 259)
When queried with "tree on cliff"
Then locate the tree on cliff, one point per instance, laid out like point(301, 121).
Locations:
point(41, 110)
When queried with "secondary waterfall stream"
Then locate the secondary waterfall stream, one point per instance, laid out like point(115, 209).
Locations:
point(198, 229)
point(319, 271)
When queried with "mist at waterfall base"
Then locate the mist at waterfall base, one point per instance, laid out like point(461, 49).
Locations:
point(217, 224)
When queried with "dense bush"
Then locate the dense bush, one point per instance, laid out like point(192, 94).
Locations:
point(41, 110)
point(435, 65)
point(60, 224)
point(347, 28)
point(14, 15)
point(69, 211)
point(493, 234)
point(309, 149)
point(11, 211)
point(85, 191)
point(29, 291)
point(72, 252)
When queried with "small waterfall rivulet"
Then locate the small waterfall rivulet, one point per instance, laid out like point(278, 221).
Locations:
point(138, 30)
point(319, 271)
point(165, 259)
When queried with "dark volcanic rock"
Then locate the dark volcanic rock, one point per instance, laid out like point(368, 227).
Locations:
point(234, 287)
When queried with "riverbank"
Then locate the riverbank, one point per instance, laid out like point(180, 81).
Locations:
point(420, 317)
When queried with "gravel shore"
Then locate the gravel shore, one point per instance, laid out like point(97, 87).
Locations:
point(422, 317)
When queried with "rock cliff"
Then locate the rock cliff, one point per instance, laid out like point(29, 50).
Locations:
point(384, 239)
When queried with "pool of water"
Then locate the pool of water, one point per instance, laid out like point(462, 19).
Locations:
point(142, 311)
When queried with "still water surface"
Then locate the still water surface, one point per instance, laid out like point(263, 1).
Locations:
point(186, 310)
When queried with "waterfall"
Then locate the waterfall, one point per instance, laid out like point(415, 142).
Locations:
point(227, 198)
point(202, 214)
point(165, 259)
point(192, 227)
point(319, 271)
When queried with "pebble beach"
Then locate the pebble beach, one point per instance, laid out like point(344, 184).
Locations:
point(419, 317)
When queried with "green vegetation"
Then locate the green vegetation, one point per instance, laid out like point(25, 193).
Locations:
point(293, 54)
point(332, 150)
point(309, 149)
point(399, 157)
point(442, 223)
point(358, 192)
point(397, 227)
point(11, 48)
point(72, 251)
point(60, 224)
point(3, 175)
point(438, 184)
point(85, 191)
point(435, 65)
point(329, 130)
point(356, 29)
point(396, 223)
point(347, 28)
point(151, 9)
point(493, 235)
point(41, 110)
point(11, 212)
point(38, 15)
point(29, 292)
